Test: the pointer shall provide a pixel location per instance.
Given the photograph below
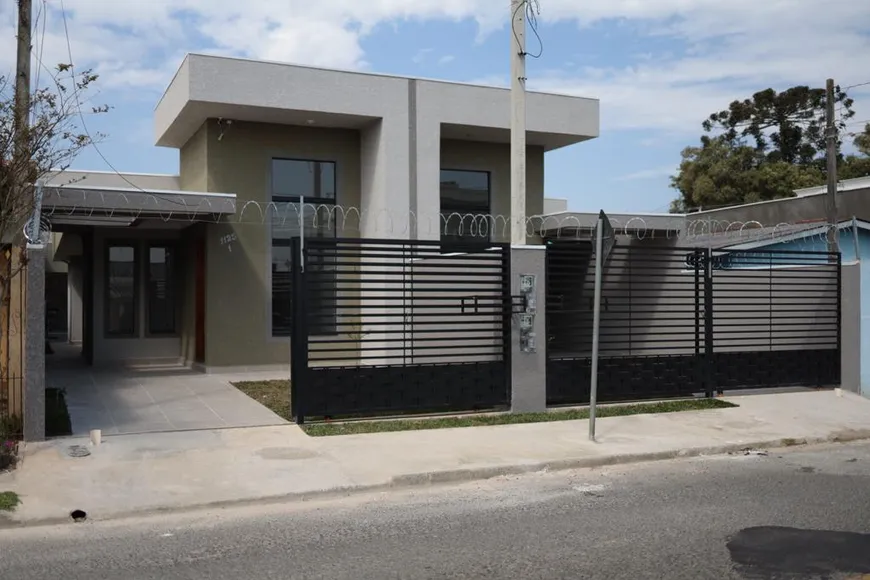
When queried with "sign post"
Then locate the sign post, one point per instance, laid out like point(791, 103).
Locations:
point(604, 242)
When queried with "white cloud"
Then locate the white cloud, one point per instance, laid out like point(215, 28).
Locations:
point(654, 173)
point(421, 55)
point(446, 59)
point(725, 50)
point(732, 49)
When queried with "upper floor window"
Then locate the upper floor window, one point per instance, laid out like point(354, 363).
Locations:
point(465, 206)
point(303, 193)
point(293, 179)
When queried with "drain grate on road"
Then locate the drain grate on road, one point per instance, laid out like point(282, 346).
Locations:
point(78, 451)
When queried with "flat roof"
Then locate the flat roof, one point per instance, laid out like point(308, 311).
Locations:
point(623, 223)
point(842, 185)
point(245, 90)
point(357, 72)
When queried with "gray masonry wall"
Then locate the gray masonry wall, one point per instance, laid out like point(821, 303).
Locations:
point(462, 327)
point(850, 354)
point(34, 346)
point(529, 369)
point(427, 298)
point(648, 307)
point(429, 319)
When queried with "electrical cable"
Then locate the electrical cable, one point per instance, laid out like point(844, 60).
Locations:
point(864, 84)
point(43, 12)
point(93, 142)
point(533, 10)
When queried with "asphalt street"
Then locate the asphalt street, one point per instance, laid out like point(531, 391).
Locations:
point(801, 513)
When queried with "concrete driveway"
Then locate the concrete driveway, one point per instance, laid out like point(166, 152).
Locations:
point(156, 400)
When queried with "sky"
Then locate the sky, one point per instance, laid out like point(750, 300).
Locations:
point(659, 67)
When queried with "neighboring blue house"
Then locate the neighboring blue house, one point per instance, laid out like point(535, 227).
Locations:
point(805, 238)
point(811, 238)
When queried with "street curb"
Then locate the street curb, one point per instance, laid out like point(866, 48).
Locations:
point(461, 475)
point(411, 481)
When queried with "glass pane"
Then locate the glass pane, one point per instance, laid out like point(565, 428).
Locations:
point(121, 291)
point(465, 207)
point(297, 178)
point(319, 220)
point(472, 224)
point(464, 191)
point(282, 297)
point(321, 279)
point(161, 291)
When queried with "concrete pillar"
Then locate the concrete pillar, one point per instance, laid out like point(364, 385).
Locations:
point(529, 369)
point(75, 291)
point(34, 345)
point(850, 328)
point(385, 208)
point(427, 206)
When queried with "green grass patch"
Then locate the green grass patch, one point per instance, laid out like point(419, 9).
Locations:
point(275, 395)
point(358, 427)
point(57, 422)
point(9, 500)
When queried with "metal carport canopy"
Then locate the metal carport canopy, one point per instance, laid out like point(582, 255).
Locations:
point(67, 201)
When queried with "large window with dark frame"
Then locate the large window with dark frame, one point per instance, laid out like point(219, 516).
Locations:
point(465, 208)
point(125, 264)
point(303, 194)
point(161, 292)
point(121, 299)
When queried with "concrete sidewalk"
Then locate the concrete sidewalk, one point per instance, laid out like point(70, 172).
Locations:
point(164, 471)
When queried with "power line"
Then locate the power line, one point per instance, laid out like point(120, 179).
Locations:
point(533, 10)
point(43, 13)
point(864, 84)
point(79, 108)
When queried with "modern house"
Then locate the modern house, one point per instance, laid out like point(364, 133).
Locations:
point(194, 268)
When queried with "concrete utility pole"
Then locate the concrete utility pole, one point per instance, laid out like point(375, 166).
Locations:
point(831, 155)
point(22, 78)
point(518, 122)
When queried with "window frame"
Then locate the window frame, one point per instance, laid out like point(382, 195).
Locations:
point(464, 243)
point(295, 198)
point(287, 242)
point(172, 270)
point(137, 279)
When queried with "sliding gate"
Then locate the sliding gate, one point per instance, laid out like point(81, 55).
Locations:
point(681, 321)
point(385, 327)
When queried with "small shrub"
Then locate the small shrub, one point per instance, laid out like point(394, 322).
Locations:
point(8, 454)
point(9, 500)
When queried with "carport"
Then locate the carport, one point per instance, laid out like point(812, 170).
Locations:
point(119, 372)
point(152, 399)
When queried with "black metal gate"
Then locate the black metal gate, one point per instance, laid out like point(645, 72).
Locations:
point(385, 327)
point(680, 321)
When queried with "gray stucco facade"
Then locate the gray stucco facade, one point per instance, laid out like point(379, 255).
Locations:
point(388, 139)
point(402, 123)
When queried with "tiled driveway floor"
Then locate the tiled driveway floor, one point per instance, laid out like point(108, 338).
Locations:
point(149, 401)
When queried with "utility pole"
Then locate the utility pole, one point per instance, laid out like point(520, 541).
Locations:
point(518, 121)
point(831, 156)
point(22, 80)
